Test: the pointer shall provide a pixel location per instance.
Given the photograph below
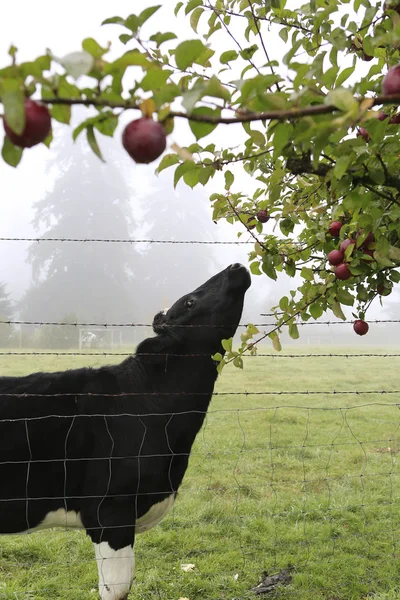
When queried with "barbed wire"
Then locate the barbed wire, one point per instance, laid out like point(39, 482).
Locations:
point(187, 326)
point(124, 241)
point(259, 355)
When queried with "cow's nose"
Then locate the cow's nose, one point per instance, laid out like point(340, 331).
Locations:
point(236, 266)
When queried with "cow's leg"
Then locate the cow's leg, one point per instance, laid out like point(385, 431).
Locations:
point(112, 532)
point(116, 570)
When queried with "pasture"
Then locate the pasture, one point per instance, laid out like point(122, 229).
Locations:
point(309, 483)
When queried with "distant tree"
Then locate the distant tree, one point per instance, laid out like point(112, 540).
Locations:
point(175, 269)
point(7, 332)
point(60, 336)
point(6, 306)
point(93, 280)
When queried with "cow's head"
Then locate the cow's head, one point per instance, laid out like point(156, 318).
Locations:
point(198, 321)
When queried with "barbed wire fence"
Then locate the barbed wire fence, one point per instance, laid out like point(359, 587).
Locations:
point(295, 487)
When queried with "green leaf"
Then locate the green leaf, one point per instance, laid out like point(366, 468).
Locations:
point(238, 362)
point(192, 96)
point(147, 13)
point(283, 34)
point(195, 17)
point(93, 142)
point(131, 58)
point(13, 98)
point(154, 79)
point(229, 179)
point(132, 23)
point(166, 94)
point(160, 38)
point(61, 112)
point(342, 99)
point(228, 56)
point(217, 356)
point(93, 48)
point(187, 52)
point(252, 329)
point(294, 331)
point(183, 168)
point(178, 7)
point(275, 341)
point(316, 310)
point(227, 345)
point(247, 53)
point(10, 153)
point(255, 268)
point(284, 303)
point(114, 21)
point(337, 310)
point(395, 276)
point(345, 74)
point(307, 274)
point(167, 161)
point(105, 122)
point(290, 268)
point(394, 254)
point(191, 5)
point(342, 162)
point(192, 176)
point(345, 297)
point(200, 129)
point(268, 266)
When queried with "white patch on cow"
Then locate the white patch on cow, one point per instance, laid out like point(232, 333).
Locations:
point(164, 311)
point(116, 569)
point(57, 518)
point(60, 518)
point(154, 515)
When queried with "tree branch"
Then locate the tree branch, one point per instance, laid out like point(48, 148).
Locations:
point(276, 115)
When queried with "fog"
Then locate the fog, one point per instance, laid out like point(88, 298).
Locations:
point(66, 192)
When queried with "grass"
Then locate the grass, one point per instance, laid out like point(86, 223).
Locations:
point(306, 482)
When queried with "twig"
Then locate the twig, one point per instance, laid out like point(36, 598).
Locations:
point(231, 35)
point(262, 41)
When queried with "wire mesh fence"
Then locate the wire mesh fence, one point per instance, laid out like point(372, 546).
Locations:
point(294, 473)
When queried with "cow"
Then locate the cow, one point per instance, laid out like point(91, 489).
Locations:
point(106, 449)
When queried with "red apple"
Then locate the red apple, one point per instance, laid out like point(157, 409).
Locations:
point(363, 133)
point(37, 125)
point(383, 289)
point(262, 216)
point(335, 257)
point(346, 243)
point(334, 228)
point(342, 272)
point(391, 81)
point(144, 140)
point(360, 327)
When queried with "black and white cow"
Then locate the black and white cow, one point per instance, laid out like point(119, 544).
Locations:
point(106, 449)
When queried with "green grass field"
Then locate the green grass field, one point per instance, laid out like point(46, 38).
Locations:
point(306, 482)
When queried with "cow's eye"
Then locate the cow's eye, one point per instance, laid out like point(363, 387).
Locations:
point(189, 303)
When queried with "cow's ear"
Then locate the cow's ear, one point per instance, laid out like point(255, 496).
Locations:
point(155, 350)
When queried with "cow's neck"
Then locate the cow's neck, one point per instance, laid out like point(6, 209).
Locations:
point(186, 381)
